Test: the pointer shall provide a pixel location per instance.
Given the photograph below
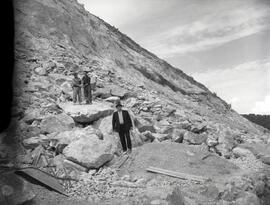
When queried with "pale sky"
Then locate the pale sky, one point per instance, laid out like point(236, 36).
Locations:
point(222, 44)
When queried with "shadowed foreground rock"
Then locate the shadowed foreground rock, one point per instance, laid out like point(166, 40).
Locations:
point(14, 189)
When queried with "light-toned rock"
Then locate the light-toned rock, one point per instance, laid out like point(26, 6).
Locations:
point(30, 115)
point(87, 113)
point(57, 123)
point(248, 199)
point(67, 137)
point(41, 71)
point(34, 142)
point(112, 99)
point(241, 152)
point(196, 139)
point(89, 152)
point(66, 88)
point(161, 137)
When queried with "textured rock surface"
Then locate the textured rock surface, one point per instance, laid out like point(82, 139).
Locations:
point(87, 113)
point(89, 152)
point(57, 123)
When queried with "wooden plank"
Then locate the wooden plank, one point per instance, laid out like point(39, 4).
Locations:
point(44, 178)
point(123, 161)
point(176, 174)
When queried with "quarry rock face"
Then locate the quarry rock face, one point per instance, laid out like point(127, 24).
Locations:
point(179, 124)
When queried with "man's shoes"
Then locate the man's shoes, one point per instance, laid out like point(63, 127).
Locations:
point(125, 152)
point(129, 151)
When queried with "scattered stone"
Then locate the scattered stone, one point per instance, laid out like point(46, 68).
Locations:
point(195, 139)
point(34, 142)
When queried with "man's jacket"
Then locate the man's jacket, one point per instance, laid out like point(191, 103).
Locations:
point(126, 118)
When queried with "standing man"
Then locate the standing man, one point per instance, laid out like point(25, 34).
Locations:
point(86, 81)
point(76, 86)
point(121, 123)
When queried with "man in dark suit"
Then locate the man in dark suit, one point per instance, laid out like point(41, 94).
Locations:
point(86, 81)
point(121, 123)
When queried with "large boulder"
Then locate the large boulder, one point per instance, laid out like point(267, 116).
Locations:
point(67, 137)
point(87, 113)
point(57, 123)
point(89, 152)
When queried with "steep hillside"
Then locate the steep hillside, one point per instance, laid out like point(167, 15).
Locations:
point(64, 33)
point(53, 39)
point(263, 120)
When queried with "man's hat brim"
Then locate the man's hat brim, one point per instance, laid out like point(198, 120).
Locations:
point(118, 105)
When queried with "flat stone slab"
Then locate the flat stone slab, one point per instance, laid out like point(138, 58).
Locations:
point(180, 158)
point(87, 113)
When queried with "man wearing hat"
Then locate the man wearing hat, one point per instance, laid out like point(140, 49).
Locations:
point(76, 86)
point(86, 81)
point(121, 123)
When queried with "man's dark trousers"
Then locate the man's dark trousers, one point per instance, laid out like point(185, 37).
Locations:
point(124, 138)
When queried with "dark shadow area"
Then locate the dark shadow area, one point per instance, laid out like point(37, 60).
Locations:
point(7, 62)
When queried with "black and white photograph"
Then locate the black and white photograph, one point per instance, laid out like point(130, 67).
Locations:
point(135, 102)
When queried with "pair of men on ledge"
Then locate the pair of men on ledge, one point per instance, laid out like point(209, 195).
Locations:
point(121, 123)
point(84, 83)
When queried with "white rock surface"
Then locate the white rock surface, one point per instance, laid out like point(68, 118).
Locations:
point(87, 113)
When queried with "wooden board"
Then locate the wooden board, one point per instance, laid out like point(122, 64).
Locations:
point(44, 178)
point(176, 174)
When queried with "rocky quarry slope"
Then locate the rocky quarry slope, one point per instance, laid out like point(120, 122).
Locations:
point(179, 125)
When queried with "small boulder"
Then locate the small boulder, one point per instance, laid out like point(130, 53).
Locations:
point(41, 71)
point(195, 139)
point(178, 135)
point(241, 152)
point(66, 88)
point(34, 142)
point(57, 123)
point(265, 159)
